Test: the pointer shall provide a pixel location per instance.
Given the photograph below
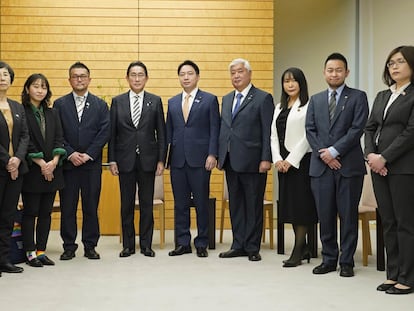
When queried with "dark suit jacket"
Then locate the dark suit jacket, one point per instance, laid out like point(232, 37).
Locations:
point(396, 131)
point(246, 138)
point(194, 141)
point(34, 181)
point(343, 132)
point(90, 135)
point(149, 137)
point(20, 138)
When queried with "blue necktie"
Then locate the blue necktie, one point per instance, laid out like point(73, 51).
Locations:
point(237, 106)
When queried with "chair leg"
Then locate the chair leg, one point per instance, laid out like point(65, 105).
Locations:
point(162, 226)
point(365, 240)
point(222, 221)
point(271, 229)
point(264, 226)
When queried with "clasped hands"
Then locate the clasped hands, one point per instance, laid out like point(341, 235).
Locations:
point(329, 160)
point(47, 169)
point(78, 158)
point(13, 167)
point(377, 164)
point(282, 166)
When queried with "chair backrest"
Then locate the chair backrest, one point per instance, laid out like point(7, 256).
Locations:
point(368, 201)
point(225, 189)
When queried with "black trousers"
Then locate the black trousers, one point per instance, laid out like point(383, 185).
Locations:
point(36, 205)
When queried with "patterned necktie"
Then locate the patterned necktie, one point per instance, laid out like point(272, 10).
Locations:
point(332, 105)
point(237, 106)
point(186, 107)
point(136, 111)
point(42, 122)
point(80, 105)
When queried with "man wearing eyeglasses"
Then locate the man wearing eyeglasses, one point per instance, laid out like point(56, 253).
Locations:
point(136, 154)
point(85, 123)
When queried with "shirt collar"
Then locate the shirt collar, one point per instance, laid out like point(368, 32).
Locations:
point(393, 88)
point(338, 91)
point(132, 94)
point(245, 91)
point(76, 95)
point(193, 93)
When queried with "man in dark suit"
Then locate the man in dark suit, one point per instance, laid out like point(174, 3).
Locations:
point(136, 153)
point(85, 123)
point(334, 124)
point(245, 154)
point(193, 122)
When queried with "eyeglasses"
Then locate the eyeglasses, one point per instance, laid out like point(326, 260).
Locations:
point(81, 77)
point(397, 62)
point(134, 75)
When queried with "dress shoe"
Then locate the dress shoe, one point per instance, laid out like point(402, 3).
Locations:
point(91, 253)
point(346, 271)
point(46, 261)
point(291, 263)
point(180, 250)
point(384, 286)
point(147, 251)
point(255, 257)
point(10, 268)
point(202, 252)
point(323, 269)
point(67, 255)
point(399, 291)
point(233, 253)
point(35, 262)
point(126, 252)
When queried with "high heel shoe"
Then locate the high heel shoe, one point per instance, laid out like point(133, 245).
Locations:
point(291, 263)
point(306, 255)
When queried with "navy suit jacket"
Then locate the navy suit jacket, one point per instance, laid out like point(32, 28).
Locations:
point(20, 138)
point(149, 137)
point(88, 136)
point(343, 132)
point(246, 138)
point(194, 141)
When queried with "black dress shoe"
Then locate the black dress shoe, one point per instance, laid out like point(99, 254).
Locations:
point(384, 286)
point(202, 252)
point(10, 268)
point(323, 269)
point(147, 251)
point(35, 262)
point(399, 291)
point(46, 261)
point(346, 271)
point(255, 257)
point(67, 255)
point(91, 253)
point(180, 250)
point(233, 253)
point(126, 252)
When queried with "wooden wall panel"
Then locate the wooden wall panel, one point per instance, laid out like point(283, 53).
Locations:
point(49, 35)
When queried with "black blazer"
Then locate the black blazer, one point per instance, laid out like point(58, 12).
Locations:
point(149, 137)
point(20, 138)
point(34, 181)
point(88, 136)
point(396, 131)
point(246, 138)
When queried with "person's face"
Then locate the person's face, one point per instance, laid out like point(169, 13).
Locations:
point(79, 80)
point(399, 69)
point(335, 73)
point(291, 86)
point(240, 77)
point(37, 92)
point(137, 79)
point(4, 79)
point(188, 78)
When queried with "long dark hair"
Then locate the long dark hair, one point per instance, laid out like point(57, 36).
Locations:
point(25, 93)
point(407, 52)
point(299, 77)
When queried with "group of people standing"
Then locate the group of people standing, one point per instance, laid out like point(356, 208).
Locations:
point(313, 143)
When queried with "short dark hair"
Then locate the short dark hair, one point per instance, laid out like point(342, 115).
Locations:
point(139, 64)
point(79, 65)
point(9, 69)
point(407, 52)
point(188, 63)
point(337, 56)
point(25, 95)
point(299, 77)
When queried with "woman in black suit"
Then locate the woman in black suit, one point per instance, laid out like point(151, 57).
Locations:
point(45, 154)
point(14, 139)
point(389, 149)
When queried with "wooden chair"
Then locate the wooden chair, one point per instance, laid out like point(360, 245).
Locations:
point(367, 212)
point(267, 210)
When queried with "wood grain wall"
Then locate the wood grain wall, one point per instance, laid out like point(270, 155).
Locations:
point(49, 35)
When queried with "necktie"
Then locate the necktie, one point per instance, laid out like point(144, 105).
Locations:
point(79, 106)
point(332, 105)
point(236, 107)
point(42, 123)
point(186, 107)
point(136, 111)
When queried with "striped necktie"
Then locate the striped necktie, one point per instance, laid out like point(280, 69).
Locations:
point(136, 111)
point(80, 105)
point(332, 105)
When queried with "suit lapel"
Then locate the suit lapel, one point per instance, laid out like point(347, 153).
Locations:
point(395, 104)
point(245, 102)
point(195, 106)
point(31, 118)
